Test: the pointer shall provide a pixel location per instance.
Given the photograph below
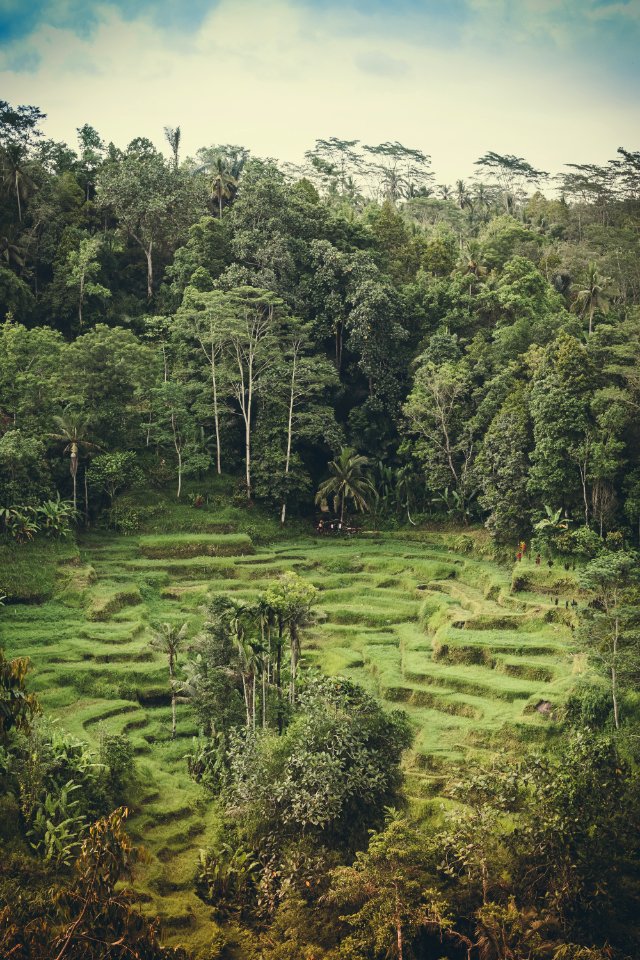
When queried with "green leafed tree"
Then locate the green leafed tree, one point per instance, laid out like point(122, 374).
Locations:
point(153, 204)
point(502, 467)
point(387, 896)
point(611, 623)
point(83, 269)
point(437, 416)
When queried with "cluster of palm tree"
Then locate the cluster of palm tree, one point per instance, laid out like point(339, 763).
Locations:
point(263, 640)
point(354, 482)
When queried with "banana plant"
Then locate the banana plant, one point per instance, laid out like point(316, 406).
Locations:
point(56, 828)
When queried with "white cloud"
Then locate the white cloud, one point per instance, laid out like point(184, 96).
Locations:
point(275, 76)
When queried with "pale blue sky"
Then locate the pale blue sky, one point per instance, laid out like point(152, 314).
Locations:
point(552, 80)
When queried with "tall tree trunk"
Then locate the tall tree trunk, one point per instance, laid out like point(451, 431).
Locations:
point(216, 418)
point(178, 448)
point(398, 920)
point(614, 674)
point(173, 711)
point(265, 674)
point(245, 693)
point(287, 464)
point(149, 256)
point(86, 499)
point(583, 479)
point(253, 700)
point(80, 299)
point(74, 476)
point(264, 693)
point(172, 682)
point(247, 431)
point(279, 676)
point(17, 182)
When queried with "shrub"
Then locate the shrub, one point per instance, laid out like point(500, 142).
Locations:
point(588, 706)
point(116, 755)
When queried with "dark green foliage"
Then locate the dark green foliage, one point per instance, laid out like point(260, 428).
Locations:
point(503, 467)
point(329, 777)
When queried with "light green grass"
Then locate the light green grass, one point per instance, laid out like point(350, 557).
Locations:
point(179, 545)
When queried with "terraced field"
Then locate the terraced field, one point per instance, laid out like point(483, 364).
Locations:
point(475, 664)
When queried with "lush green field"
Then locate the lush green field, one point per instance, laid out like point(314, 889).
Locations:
point(477, 665)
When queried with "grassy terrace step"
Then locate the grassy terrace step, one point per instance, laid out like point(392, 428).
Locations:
point(157, 546)
point(110, 598)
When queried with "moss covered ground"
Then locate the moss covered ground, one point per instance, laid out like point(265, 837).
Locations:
point(481, 657)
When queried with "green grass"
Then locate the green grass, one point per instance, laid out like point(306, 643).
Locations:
point(159, 546)
point(29, 572)
point(431, 625)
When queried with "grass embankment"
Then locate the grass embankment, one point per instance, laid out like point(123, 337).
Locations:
point(184, 545)
point(29, 572)
point(441, 634)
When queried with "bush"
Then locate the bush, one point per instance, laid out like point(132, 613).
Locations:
point(116, 755)
point(330, 776)
point(582, 542)
point(588, 706)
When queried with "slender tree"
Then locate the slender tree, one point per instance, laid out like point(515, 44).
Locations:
point(253, 338)
point(169, 639)
point(73, 432)
point(593, 296)
point(611, 623)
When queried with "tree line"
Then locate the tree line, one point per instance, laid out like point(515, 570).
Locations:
point(477, 344)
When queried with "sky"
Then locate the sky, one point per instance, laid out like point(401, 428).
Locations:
point(553, 81)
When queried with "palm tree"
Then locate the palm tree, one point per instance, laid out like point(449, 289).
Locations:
point(224, 165)
point(347, 482)
point(223, 183)
point(12, 251)
point(73, 432)
point(445, 191)
point(15, 175)
point(593, 298)
point(173, 135)
point(463, 197)
point(240, 619)
point(482, 198)
point(169, 638)
point(265, 616)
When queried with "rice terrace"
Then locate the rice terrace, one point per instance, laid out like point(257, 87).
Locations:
point(479, 656)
